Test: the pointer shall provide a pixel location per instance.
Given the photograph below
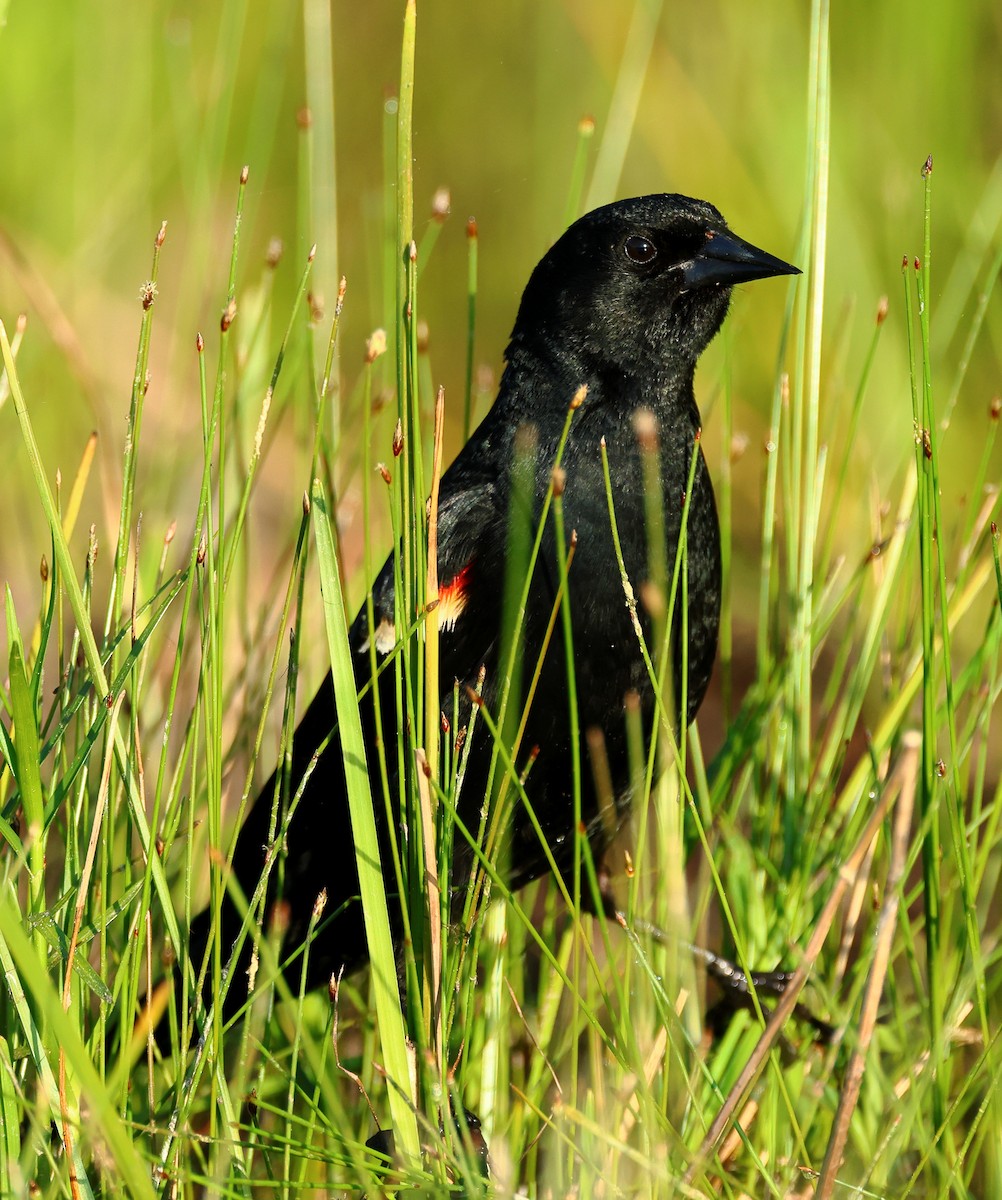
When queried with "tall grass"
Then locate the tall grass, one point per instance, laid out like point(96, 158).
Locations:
point(846, 826)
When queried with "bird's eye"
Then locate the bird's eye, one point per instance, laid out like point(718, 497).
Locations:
point(640, 250)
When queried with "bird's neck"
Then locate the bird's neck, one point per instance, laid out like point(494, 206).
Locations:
point(662, 384)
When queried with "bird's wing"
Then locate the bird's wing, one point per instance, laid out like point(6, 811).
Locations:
point(470, 553)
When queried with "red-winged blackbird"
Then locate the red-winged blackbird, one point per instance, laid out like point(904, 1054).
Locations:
point(624, 303)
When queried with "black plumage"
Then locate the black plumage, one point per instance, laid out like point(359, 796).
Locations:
point(624, 303)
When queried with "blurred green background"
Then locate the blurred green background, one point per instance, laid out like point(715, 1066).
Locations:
point(117, 116)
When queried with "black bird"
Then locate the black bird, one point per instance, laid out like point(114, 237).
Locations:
point(624, 303)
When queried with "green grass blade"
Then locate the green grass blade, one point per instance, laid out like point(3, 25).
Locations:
point(377, 921)
point(10, 1125)
point(18, 960)
point(625, 102)
point(26, 769)
point(87, 641)
point(319, 73)
point(472, 255)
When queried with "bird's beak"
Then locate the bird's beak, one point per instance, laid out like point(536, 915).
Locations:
point(727, 259)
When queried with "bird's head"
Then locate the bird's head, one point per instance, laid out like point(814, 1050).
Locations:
point(638, 285)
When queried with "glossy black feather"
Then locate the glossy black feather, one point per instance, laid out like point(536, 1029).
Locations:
point(624, 302)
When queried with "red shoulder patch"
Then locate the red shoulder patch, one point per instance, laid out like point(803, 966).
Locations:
point(452, 599)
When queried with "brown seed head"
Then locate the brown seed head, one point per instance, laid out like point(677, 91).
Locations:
point(653, 599)
point(646, 428)
point(485, 378)
point(279, 917)
point(441, 204)
point(376, 345)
